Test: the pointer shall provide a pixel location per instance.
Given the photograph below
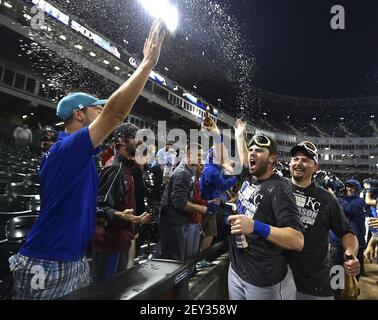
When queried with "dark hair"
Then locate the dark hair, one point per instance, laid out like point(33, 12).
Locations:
point(125, 132)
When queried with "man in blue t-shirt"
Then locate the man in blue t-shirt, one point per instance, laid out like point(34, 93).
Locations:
point(52, 261)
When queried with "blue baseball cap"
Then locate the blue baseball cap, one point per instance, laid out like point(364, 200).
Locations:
point(78, 100)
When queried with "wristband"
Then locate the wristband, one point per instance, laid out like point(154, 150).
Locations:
point(261, 229)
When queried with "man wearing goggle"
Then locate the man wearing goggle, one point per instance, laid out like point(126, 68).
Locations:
point(268, 218)
point(320, 213)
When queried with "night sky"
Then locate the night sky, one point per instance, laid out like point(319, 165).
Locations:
point(298, 54)
point(228, 48)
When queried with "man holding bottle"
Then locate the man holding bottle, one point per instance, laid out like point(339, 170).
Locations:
point(320, 212)
point(268, 219)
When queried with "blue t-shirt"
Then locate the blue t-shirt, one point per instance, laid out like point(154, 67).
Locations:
point(69, 185)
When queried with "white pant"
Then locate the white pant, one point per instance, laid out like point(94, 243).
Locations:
point(238, 289)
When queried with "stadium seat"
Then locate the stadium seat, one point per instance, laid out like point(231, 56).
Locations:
point(7, 177)
point(11, 207)
point(25, 188)
point(2, 233)
point(17, 228)
point(32, 177)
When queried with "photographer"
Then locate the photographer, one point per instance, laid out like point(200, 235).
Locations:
point(354, 209)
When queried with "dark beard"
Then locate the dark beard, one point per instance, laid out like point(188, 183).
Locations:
point(262, 168)
point(131, 151)
point(298, 178)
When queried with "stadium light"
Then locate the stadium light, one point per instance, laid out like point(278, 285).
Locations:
point(162, 9)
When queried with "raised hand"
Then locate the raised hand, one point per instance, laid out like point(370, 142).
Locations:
point(240, 127)
point(213, 129)
point(152, 46)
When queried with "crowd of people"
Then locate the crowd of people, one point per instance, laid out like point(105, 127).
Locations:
point(285, 234)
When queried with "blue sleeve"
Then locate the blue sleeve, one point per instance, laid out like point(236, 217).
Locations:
point(354, 207)
point(222, 183)
point(338, 222)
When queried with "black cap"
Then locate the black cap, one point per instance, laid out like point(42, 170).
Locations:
point(308, 149)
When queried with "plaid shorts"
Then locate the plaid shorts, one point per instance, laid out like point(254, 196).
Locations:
point(36, 279)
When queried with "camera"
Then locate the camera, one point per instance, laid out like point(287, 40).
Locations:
point(328, 180)
point(371, 185)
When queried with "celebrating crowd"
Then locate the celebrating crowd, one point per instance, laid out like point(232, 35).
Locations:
point(285, 234)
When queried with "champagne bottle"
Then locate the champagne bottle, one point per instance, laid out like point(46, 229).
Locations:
point(207, 121)
point(240, 239)
point(351, 290)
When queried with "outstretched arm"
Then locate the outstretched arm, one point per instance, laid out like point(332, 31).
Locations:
point(122, 100)
point(286, 238)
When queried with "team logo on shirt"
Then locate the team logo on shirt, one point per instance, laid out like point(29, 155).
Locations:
point(308, 208)
point(300, 200)
point(249, 199)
